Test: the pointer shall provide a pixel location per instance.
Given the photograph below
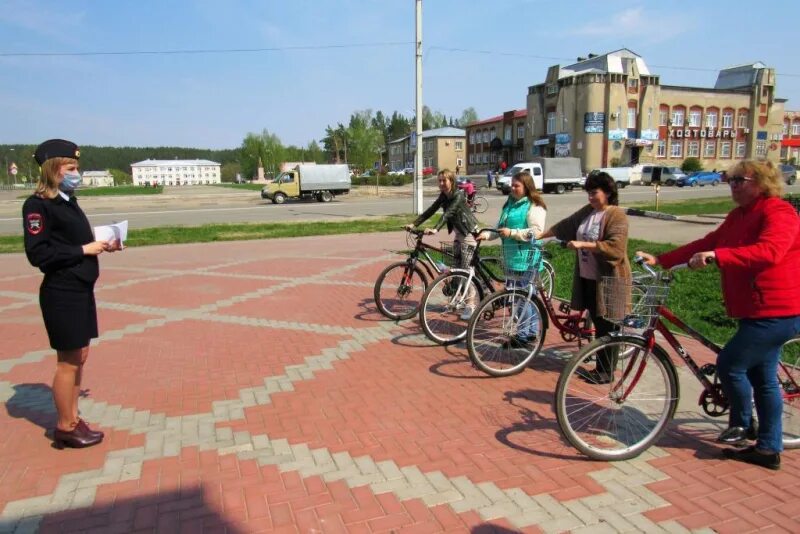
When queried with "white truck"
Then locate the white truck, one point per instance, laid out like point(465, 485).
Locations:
point(621, 175)
point(322, 182)
point(550, 175)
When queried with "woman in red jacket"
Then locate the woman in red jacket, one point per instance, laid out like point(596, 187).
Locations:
point(757, 249)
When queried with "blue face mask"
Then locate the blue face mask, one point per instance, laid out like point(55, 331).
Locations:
point(70, 182)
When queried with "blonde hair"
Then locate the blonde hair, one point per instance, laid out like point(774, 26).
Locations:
point(530, 188)
point(451, 176)
point(763, 172)
point(47, 186)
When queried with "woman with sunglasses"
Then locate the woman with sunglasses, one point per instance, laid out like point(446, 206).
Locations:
point(757, 249)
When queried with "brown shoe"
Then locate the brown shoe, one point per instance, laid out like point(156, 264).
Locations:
point(88, 431)
point(76, 438)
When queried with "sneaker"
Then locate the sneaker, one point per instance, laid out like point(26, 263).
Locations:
point(737, 434)
point(595, 376)
point(467, 313)
point(751, 455)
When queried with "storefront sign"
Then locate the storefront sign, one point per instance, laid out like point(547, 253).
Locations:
point(638, 142)
point(562, 138)
point(562, 150)
point(617, 135)
point(652, 135)
point(704, 133)
point(541, 142)
point(761, 136)
point(594, 122)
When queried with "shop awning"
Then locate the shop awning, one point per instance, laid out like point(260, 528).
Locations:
point(790, 142)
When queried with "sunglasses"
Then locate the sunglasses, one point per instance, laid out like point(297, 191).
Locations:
point(738, 180)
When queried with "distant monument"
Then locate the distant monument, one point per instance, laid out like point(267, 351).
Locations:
point(260, 170)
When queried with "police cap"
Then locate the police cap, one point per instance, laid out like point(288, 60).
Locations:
point(56, 148)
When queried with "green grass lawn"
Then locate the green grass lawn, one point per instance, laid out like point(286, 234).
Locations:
point(704, 206)
point(247, 187)
point(119, 190)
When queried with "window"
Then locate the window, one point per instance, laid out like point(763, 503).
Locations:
point(649, 118)
point(693, 149)
point(459, 162)
point(631, 117)
point(796, 128)
point(725, 149)
point(552, 89)
point(677, 117)
point(472, 139)
point(727, 119)
point(551, 123)
point(471, 159)
point(663, 116)
point(694, 118)
point(521, 130)
point(459, 145)
point(633, 83)
point(743, 119)
point(785, 127)
point(676, 149)
point(507, 132)
point(710, 149)
point(761, 149)
point(711, 119)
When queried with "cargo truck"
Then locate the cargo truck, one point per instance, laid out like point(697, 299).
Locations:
point(322, 182)
point(550, 175)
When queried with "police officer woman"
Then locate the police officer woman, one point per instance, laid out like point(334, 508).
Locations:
point(59, 241)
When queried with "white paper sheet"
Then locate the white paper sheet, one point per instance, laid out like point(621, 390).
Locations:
point(113, 231)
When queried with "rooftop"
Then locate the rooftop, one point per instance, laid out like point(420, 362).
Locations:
point(173, 162)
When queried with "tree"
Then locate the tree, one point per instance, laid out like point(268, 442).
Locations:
point(691, 165)
point(398, 127)
point(121, 177)
point(468, 116)
point(314, 152)
point(365, 141)
point(265, 147)
point(229, 171)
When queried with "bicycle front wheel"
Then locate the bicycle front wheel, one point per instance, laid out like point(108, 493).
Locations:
point(547, 278)
point(789, 379)
point(444, 310)
point(506, 332)
point(616, 415)
point(398, 290)
point(480, 205)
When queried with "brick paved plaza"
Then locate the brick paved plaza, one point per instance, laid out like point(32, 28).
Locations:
point(251, 386)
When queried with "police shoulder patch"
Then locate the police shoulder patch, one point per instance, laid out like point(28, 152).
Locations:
point(34, 223)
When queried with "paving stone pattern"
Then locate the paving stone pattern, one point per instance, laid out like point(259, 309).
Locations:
point(252, 386)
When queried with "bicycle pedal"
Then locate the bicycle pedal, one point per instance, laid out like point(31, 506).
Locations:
point(564, 307)
point(709, 369)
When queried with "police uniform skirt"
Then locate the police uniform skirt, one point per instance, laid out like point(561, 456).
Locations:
point(70, 317)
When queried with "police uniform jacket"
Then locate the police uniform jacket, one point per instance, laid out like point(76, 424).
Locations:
point(55, 232)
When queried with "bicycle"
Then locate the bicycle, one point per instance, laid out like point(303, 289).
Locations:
point(508, 327)
point(620, 419)
point(399, 283)
point(446, 297)
point(478, 204)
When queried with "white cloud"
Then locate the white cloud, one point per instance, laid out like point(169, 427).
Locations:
point(636, 23)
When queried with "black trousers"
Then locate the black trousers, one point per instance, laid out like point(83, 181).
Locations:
point(608, 360)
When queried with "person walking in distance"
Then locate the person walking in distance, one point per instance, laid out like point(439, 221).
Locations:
point(59, 241)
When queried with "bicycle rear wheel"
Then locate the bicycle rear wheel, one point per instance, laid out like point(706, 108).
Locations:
point(506, 332)
point(620, 419)
point(789, 379)
point(444, 303)
point(480, 204)
point(398, 290)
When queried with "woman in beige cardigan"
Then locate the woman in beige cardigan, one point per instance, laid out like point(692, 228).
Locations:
point(598, 232)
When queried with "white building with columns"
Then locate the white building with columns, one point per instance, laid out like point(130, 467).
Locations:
point(176, 172)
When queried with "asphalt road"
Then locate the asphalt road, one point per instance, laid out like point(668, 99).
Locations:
point(190, 206)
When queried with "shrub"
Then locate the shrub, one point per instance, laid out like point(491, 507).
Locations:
point(691, 165)
point(615, 162)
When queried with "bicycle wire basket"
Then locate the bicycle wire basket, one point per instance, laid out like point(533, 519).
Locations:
point(521, 261)
point(457, 254)
point(632, 304)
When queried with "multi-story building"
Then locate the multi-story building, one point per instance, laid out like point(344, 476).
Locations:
point(790, 145)
point(176, 172)
point(442, 148)
point(610, 109)
point(497, 139)
point(97, 178)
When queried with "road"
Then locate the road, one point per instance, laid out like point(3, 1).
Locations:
point(197, 205)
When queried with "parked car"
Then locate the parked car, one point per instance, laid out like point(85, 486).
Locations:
point(409, 171)
point(397, 172)
point(427, 171)
point(668, 175)
point(789, 173)
point(700, 178)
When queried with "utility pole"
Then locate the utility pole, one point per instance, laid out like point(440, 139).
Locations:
point(418, 129)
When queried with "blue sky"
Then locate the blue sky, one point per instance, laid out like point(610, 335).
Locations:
point(482, 54)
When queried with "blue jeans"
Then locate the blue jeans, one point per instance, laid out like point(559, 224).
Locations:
point(748, 368)
point(528, 317)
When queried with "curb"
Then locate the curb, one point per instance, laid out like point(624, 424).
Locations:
point(668, 217)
